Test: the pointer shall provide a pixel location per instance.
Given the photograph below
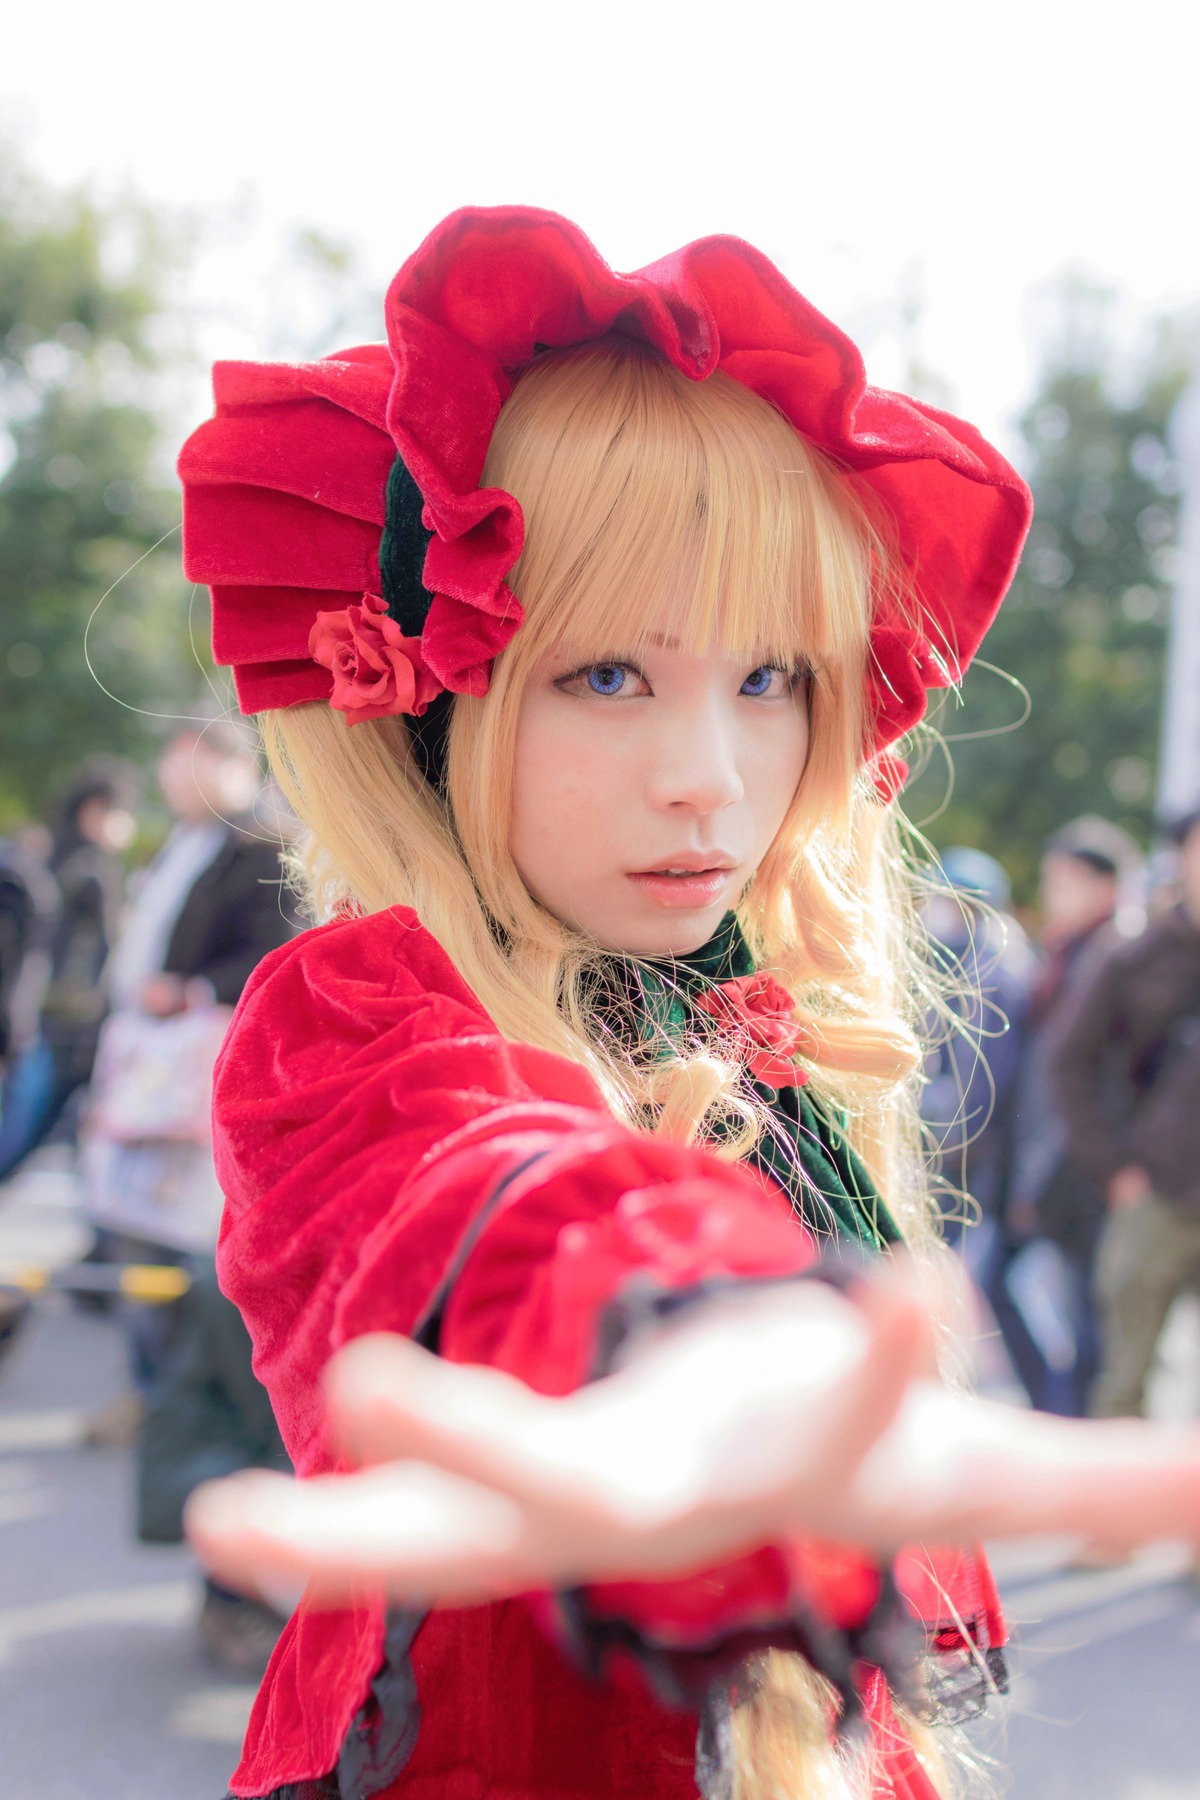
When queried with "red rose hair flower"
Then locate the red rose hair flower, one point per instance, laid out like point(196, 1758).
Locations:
point(757, 1013)
point(376, 670)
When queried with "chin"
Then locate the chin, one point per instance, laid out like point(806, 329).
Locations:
point(677, 935)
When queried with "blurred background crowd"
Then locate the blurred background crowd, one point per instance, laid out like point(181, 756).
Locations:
point(1058, 796)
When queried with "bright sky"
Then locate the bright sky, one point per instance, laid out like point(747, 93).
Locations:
point(959, 153)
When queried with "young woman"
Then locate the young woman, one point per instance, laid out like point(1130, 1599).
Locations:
point(580, 619)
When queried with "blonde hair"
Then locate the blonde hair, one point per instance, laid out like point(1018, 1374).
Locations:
point(655, 504)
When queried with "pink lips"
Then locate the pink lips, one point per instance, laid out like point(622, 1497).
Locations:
point(699, 881)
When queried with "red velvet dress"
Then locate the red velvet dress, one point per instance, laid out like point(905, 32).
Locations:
point(368, 1117)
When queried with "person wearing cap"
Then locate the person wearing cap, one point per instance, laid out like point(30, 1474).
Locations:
point(1046, 1195)
point(1127, 1066)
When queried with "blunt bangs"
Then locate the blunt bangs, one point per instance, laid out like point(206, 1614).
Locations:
point(655, 505)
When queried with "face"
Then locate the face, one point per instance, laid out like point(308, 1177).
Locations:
point(1075, 896)
point(101, 822)
point(199, 783)
point(648, 789)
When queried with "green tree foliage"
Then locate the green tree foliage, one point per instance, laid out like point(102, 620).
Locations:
point(80, 499)
point(1083, 633)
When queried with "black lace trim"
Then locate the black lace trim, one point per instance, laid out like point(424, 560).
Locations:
point(643, 1304)
point(889, 1638)
point(960, 1683)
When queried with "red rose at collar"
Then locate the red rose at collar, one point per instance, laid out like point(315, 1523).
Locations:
point(377, 671)
point(757, 1012)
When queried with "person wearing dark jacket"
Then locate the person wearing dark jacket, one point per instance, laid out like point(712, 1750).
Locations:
point(29, 907)
point(83, 868)
point(1128, 1073)
point(1047, 1196)
point(212, 903)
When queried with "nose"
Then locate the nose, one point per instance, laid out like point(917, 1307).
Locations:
point(695, 765)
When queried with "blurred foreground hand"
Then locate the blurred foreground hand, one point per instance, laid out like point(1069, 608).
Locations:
point(768, 1415)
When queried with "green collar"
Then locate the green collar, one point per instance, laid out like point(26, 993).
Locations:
point(804, 1149)
point(725, 957)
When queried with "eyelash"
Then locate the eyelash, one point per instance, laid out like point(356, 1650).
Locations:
point(797, 675)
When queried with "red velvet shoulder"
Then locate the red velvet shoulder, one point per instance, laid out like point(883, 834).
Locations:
point(347, 977)
point(362, 1008)
point(333, 990)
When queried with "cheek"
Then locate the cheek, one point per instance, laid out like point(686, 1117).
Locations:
point(776, 766)
point(565, 800)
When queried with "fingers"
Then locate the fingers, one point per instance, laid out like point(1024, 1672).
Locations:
point(953, 1469)
point(389, 1399)
point(1116, 1482)
point(416, 1532)
point(219, 1521)
point(748, 1422)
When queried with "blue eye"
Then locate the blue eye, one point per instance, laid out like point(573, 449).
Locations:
point(758, 680)
point(606, 678)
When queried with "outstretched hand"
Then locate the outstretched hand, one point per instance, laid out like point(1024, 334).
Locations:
point(767, 1415)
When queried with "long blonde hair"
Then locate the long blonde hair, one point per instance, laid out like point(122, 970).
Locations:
point(654, 504)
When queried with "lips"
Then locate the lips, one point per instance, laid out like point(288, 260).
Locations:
point(694, 879)
point(692, 862)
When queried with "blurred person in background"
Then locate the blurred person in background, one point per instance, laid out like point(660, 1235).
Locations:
point(92, 824)
point(1127, 1066)
point(205, 912)
point(209, 907)
point(208, 1415)
point(1047, 1196)
point(28, 912)
point(971, 1071)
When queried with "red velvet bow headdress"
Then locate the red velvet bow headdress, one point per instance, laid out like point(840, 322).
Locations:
point(334, 507)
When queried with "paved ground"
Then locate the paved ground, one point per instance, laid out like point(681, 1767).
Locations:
point(105, 1696)
point(103, 1692)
